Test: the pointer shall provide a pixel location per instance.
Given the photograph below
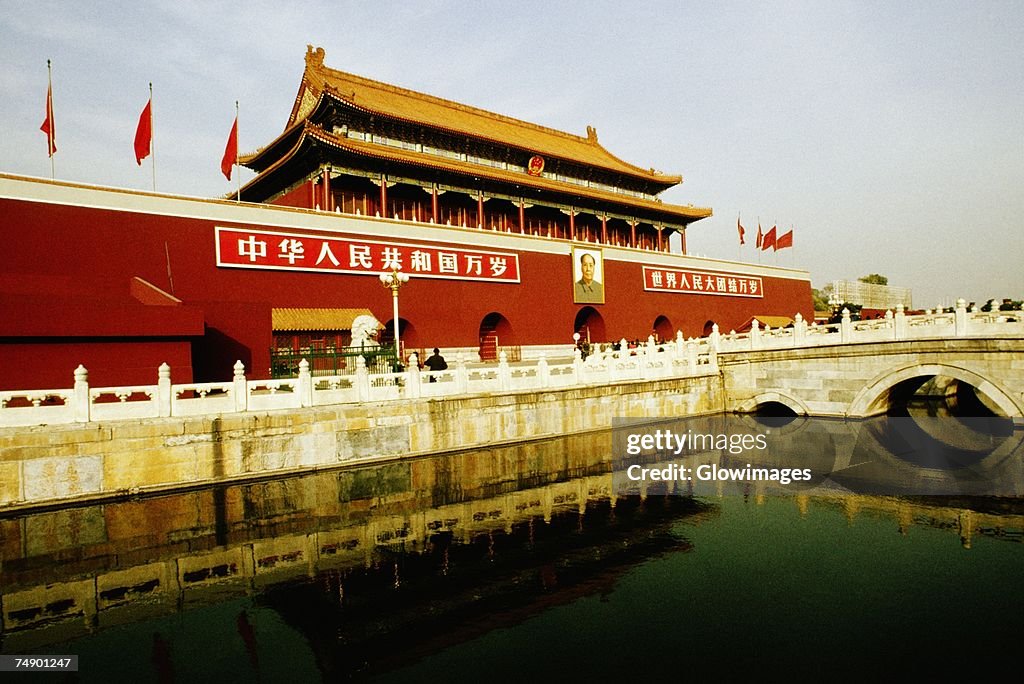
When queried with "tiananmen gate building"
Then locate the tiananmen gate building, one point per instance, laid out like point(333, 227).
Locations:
point(512, 235)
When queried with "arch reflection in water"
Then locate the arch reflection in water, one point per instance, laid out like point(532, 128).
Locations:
point(920, 455)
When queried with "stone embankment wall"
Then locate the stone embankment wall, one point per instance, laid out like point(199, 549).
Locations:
point(54, 464)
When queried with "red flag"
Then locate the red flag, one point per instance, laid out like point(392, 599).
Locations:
point(759, 236)
point(739, 228)
point(48, 127)
point(769, 239)
point(785, 240)
point(230, 151)
point(144, 133)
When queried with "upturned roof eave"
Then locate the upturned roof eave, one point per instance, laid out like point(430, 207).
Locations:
point(319, 79)
point(663, 180)
point(311, 135)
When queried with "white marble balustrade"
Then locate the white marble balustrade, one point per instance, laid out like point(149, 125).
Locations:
point(677, 359)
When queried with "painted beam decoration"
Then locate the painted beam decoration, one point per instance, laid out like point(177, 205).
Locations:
point(271, 250)
point(687, 281)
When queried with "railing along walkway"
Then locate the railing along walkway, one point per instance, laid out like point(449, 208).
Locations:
point(892, 327)
point(678, 359)
point(83, 404)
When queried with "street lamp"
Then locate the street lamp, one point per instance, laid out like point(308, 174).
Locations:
point(393, 281)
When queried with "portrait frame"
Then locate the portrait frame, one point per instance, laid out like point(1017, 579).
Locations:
point(595, 292)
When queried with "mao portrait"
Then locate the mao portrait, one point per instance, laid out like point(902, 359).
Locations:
point(588, 276)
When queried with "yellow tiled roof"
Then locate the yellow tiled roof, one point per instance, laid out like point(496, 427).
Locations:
point(315, 319)
point(409, 105)
point(685, 212)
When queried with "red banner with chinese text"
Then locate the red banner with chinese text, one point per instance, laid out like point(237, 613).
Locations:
point(687, 281)
point(263, 249)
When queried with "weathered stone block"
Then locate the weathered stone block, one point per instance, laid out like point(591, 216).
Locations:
point(147, 468)
point(61, 477)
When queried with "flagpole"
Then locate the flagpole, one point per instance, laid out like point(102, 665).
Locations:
point(739, 246)
point(49, 115)
point(238, 170)
point(757, 247)
point(152, 138)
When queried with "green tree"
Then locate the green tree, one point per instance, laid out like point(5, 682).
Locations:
point(854, 310)
point(874, 279)
point(821, 297)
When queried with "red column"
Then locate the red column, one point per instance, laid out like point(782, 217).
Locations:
point(604, 229)
point(522, 217)
point(683, 234)
point(327, 191)
point(659, 238)
point(480, 209)
point(433, 205)
point(632, 233)
point(383, 195)
point(572, 224)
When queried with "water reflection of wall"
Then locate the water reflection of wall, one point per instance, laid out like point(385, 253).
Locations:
point(83, 563)
point(71, 571)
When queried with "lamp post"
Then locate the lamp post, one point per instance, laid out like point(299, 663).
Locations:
point(393, 281)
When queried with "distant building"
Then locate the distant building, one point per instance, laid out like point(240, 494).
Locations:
point(871, 296)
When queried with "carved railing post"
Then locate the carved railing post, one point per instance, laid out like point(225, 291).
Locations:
point(691, 356)
point(362, 379)
point(680, 345)
point(305, 384)
point(755, 334)
point(961, 318)
point(461, 374)
point(714, 339)
point(543, 373)
point(901, 323)
point(845, 327)
point(163, 390)
point(241, 387)
point(504, 372)
point(81, 395)
point(799, 330)
point(413, 378)
point(648, 351)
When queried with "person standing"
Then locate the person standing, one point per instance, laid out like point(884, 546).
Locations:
point(435, 363)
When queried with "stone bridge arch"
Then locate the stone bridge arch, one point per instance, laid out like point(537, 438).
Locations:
point(874, 398)
point(793, 403)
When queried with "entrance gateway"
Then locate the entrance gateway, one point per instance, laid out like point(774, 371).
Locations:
point(365, 178)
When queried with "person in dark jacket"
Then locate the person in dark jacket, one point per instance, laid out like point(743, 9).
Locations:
point(435, 363)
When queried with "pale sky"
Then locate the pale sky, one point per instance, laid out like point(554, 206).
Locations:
point(888, 135)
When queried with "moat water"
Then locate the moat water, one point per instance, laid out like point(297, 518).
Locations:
point(514, 564)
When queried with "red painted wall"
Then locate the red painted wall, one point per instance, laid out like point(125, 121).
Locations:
point(50, 363)
point(302, 196)
point(102, 249)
